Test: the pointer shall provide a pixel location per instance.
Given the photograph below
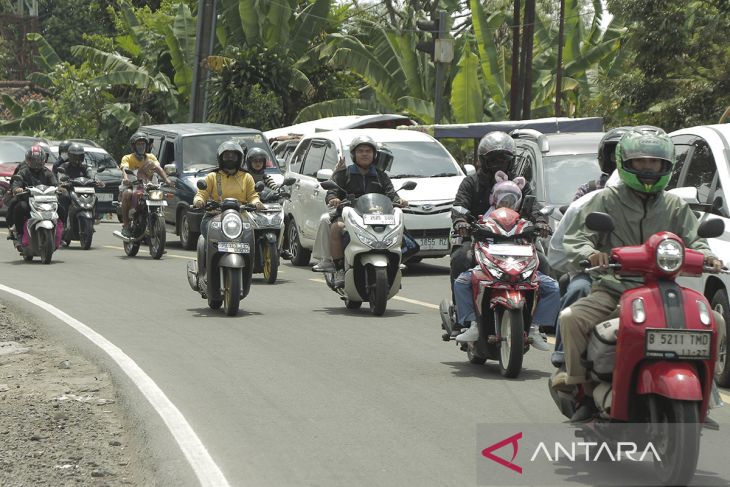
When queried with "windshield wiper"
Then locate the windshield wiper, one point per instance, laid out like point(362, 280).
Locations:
point(406, 176)
point(444, 175)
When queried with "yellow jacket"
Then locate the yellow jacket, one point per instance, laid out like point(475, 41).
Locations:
point(239, 186)
point(131, 162)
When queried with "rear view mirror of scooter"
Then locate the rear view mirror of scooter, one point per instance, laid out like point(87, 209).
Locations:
point(329, 185)
point(201, 184)
point(408, 185)
point(600, 222)
point(711, 228)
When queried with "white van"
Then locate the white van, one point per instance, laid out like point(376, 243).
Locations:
point(416, 156)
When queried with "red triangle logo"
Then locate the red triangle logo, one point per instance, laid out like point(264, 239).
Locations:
point(487, 452)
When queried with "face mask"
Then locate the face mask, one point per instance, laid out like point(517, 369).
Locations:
point(229, 166)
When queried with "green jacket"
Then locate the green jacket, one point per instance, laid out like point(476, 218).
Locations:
point(636, 219)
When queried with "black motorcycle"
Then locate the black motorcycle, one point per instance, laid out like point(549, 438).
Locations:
point(146, 219)
point(82, 210)
point(268, 227)
point(222, 272)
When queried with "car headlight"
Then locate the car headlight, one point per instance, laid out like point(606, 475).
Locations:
point(670, 255)
point(232, 226)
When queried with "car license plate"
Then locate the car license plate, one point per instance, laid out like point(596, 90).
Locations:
point(104, 196)
point(430, 243)
point(372, 219)
point(234, 247)
point(681, 344)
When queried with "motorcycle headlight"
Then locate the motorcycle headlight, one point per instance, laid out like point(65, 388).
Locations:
point(670, 255)
point(232, 226)
point(366, 238)
point(156, 194)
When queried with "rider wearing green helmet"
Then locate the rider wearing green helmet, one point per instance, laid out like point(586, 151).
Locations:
point(645, 160)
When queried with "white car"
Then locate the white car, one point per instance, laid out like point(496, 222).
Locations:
point(416, 156)
point(703, 162)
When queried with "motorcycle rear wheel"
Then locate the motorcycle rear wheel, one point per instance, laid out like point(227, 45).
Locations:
point(231, 290)
point(510, 324)
point(157, 237)
point(678, 442)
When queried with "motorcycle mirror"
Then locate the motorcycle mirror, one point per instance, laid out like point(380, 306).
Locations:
point(563, 209)
point(711, 228)
point(201, 184)
point(527, 203)
point(128, 171)
point(329, 184)
point(409, 185)
point(259, 186)
point(61, 170)
point(289, 181)
point(599, 222)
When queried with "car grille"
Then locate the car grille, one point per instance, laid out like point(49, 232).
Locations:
point(430, 233)
point(111, 193)
point(428, 208)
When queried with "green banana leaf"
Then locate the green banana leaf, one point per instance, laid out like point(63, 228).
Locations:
point(47, 56)
point(467, 105)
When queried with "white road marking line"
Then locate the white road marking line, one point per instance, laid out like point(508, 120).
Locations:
point(414, 301)
point(165, 255)
point(208, 473)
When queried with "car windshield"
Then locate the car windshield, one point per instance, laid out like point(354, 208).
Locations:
point(199, 151)
point(98, 160)
point(421, 159)
point(11, 152)
point(565, 173)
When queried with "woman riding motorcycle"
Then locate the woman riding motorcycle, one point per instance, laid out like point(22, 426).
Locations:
point(256, 159)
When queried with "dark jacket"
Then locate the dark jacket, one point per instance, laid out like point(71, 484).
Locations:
point(25, 177)
point(473, 194)
point(354, 183)
point(73, 171)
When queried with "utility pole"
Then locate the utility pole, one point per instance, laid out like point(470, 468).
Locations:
point(441, 49)
point(203, 48)
point(559, 78)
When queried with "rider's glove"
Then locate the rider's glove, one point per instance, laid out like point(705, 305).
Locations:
point(462, 228)
point(543, 229)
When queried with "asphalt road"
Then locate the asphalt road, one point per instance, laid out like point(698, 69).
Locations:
point(296, 389)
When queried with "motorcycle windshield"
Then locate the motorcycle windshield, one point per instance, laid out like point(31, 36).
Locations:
point(373, 203)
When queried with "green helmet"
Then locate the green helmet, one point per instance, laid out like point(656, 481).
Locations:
point(638, 144)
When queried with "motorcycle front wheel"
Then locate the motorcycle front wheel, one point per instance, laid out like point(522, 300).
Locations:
point(510, 326)
point(378, 292)
point(131, 248)
point(157, 237)
point(677, 439)
point(232, 290)
point(86, 233)
point(271, 262)
point(45, 245)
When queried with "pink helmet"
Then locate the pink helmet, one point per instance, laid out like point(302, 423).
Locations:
point(506, 193)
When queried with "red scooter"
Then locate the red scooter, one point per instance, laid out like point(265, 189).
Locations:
point(504, 290)
point(653, 365)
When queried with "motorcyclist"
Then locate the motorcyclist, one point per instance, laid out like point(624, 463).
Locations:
point(11, 200)
point(228, 181)
point(358, 179)
point(146, 165)
point(34, 173)
point(62, 156)
point(580, 282)
point(506, 194)
point(256, 160)
point(640, 207)
point(75, 168)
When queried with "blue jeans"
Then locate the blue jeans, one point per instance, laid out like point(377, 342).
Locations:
point(546, 311)
point(579, 287)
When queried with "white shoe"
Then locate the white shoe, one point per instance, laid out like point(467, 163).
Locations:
point(470, 335)
point(340, 278)
point(324, 266)
point(538, 340)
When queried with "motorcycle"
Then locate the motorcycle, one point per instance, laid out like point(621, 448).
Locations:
point(146, 220)
point(504, 289)
point(222, 272)
point(41, 233)
point(373, 255)
point(268, 225)
point(654, 363)
point(81, 213)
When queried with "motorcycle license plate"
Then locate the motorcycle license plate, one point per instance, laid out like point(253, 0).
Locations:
point(105, 196)
point(156, 203)
point(234, 247)
point(372, 219)
point(680, 344)
point(511, 250)
point(433, 243)
point(83, 190)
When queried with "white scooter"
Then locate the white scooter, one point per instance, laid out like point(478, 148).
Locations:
point(373, 255)
point(41, 235)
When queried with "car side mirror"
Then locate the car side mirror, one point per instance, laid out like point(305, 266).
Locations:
point(711, 228)
point(469, 169)
point(101, 169)
point(717, 205)
point(171, 170)
point(324, 174)
point(201, 184)
point(600, 222)
point(688, 194)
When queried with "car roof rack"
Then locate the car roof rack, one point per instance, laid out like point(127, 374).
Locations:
point(532, 135)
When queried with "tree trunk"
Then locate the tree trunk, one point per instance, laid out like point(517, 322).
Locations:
point(527, 43)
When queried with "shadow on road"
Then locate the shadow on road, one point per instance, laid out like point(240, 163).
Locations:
point(490, 370)
point(219, 313)
point(364, 311)
point(259, 281)
point(422, 269)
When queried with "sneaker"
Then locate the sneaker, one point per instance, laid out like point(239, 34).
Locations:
point(470, 335)
point(324, 266)
point(538, 341)
point(285, 254)
point(126, 232)
point(340, 278)
point(559, 382)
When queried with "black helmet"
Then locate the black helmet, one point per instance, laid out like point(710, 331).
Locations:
point(139, 136)
point(254, 154)
point(35, 157)
point(63, 148)
point(76, 154)
point(607, 149)
point(230, 146)
point(360, 140)
point(496, 151)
